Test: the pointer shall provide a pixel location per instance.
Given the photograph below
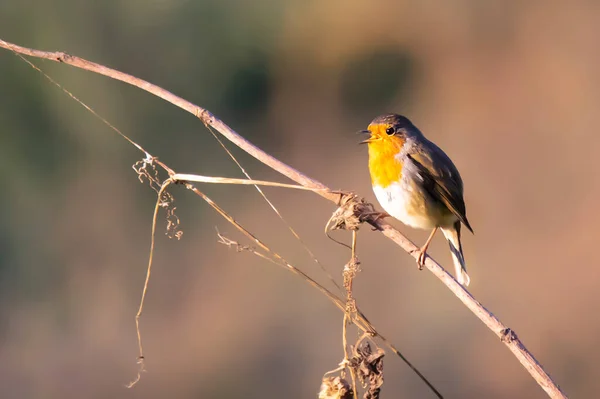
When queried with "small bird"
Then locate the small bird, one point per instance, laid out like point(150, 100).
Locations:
point(417, 183)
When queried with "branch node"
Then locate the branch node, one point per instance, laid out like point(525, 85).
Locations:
point(205, 116)
point(508, 336)
point(63, 57)
point(350, 270)
point(234, 244)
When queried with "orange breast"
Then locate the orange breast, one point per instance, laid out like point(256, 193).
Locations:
point(384, 167)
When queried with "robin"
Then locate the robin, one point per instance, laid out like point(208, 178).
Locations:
point(417, 183)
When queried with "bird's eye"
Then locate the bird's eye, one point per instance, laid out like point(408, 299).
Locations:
point(390, 131)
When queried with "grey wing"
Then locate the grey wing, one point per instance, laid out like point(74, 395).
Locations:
point(439, 178)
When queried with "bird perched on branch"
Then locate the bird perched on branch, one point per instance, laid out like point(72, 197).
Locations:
point(417, 183)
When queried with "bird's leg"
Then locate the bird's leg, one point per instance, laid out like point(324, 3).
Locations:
point(423, 250)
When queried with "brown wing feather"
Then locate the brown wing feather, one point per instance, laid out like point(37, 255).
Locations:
point(441, 180)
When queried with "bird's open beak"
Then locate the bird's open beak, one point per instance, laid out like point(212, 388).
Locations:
point(367, 140)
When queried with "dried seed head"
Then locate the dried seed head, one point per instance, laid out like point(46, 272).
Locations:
point(335, 388)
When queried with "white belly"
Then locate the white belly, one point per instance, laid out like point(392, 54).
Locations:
point(401, 204)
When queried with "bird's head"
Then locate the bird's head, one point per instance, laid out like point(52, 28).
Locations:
point(387, 136)
point(388, 133)
point(389, 130)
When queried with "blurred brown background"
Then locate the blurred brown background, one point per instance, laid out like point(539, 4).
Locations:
point(509, 89)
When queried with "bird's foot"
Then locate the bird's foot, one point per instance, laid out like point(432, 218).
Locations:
point(375, 216)
point(422, 254)
point(379, 215)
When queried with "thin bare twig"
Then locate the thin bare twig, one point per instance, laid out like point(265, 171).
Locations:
point(157, 206)
point(507, 336)
point(228, 180)
point(274, 208)
point(359, 318)
point(349, 273)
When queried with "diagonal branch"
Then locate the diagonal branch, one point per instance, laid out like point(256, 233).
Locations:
point(507, 336)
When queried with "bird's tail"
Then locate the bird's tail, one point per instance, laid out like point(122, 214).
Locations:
point(453, 237)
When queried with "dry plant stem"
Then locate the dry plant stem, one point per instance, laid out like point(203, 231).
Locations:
point(227, 180)
point(346, 360)
point(141, 367)
point(349, 314)
point(362, 321)
point(508, 337)
point(274, 208)
point(365, 326)
point(359, 320)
